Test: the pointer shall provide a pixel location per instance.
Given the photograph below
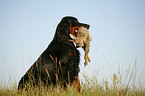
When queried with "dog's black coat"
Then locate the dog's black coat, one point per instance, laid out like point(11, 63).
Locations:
point(59, 63)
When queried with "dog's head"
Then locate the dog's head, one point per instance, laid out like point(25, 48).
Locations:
point(68, 25)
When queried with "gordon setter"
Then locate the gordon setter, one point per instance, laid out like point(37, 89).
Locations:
point(59, 63)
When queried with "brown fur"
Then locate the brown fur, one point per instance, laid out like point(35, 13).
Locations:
point(83, 40)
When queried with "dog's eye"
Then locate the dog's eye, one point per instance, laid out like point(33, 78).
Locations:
point(76, 30)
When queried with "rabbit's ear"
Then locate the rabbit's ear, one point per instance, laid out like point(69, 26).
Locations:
point(72, 36)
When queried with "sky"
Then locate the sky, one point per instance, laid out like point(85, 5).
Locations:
point(117, 26)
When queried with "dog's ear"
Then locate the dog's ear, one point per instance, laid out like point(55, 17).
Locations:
point(72, 36)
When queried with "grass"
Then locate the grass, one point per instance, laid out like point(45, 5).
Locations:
point(122, 84)
point(89, 88)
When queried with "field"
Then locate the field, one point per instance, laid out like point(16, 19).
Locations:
point(122, 84)
point(91, 88)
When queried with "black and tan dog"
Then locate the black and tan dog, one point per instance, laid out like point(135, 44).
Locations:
point(59, 63)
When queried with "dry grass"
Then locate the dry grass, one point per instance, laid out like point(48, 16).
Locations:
point(123, 84)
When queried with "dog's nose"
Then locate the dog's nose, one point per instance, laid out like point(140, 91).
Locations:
point(88, 26)
point(85, 25)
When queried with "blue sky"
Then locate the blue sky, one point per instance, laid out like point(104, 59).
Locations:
point(118, 34)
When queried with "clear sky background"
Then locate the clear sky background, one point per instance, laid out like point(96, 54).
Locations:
point(28, 26)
